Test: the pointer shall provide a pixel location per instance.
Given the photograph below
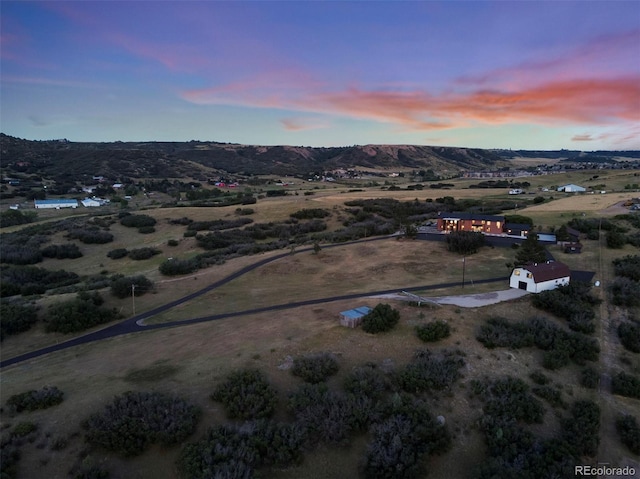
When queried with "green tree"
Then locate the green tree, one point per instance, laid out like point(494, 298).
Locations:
point(382, 318)
point(531, 251)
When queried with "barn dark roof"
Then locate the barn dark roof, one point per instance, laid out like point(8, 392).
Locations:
point(547, 271)
point(517, 227)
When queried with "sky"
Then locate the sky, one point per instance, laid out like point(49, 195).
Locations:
point(485, 74)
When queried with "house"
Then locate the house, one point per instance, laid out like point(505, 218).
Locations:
point(487, 224)
point(56, 204)
point(517, 229)
point(516, 191)
point(353, 317)
point(571, 188)
point(538, 277)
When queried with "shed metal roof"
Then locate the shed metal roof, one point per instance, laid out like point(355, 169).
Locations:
point(356, 313)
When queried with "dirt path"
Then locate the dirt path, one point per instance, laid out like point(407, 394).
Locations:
point(466, 300)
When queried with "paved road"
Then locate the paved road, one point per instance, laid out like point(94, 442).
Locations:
point(136, 323)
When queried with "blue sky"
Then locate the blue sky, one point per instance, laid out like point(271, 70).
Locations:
point(534, 75)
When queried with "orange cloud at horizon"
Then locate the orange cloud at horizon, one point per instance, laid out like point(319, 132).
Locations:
point(582, 101)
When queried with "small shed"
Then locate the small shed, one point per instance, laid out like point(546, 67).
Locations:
point(573, 248)
point(353, 317)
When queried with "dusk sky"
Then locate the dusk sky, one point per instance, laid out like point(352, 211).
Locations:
point(509, 74)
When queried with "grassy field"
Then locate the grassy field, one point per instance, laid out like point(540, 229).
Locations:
point(192, 360)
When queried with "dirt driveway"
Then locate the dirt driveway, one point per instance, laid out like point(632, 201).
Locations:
point(467, 300)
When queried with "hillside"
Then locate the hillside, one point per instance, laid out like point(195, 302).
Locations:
point(182, 159)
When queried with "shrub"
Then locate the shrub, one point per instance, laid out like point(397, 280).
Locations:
point(465, 242)
point(145, 230)
point(510, 398)
point(629, 432)
point(626, 385)
point(189, 233)
point(310, 213)
point(236, 451)
point(83, 312)
point(137, 221)
point(246, 395)
point(62, 251)
point(403, 439)
point(625, 292)
point(629, 334)
point(315, 368)
point(143, 253)
point(16, 318)
point(580, 431)
point(589, 378)
point(428, 371)
point(123, 287)
point(174, 267)
point(27, 280)
point(16, 217)
point(117, 253)
point(539, 377)
point(24, 429)
point(366, 381)
point(133, 421)
point(552, 395)
point(36, 399)
point(380, 319)
point(172, 242)
point(629, 266)
point(615, 239)
point(91, 236)
point(434, 331)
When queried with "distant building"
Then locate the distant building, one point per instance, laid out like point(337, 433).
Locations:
point(353, 317)
point(55, 204)
point(517, 229)
point(516, 191)
point(538, 277)
point(93, 202)
point(571, 188)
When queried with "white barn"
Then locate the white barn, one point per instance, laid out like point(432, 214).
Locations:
point(571, 188)
point(538, 277)
point(55, 204)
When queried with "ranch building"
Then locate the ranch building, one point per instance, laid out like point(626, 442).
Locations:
point(353, 317)
point(538, 277)
point(55, 204)
point(487, 224)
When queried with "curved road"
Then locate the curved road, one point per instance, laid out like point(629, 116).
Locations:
point(135, 323)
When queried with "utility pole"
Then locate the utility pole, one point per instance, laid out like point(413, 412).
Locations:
point(133, 298)
point(464, 264)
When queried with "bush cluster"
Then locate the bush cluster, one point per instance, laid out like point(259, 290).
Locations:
point(573, 302)
point(16, 217)
point(122, 287)
point(83, 312)
point(400, 442)
point(139, 254)
point(368, 381)
point(625, 291)
point(91, 236)
point(559, 346)
point(246, 395)
point(465, 242)
point(514, 451)
point(315, 368)
point(137, 221)
point(380, 319)
point(27, 280)
point(218, 225)
point(32, 400)
point(62, 251)
point(552, 395)
point(237, 451)
point(310, 213)
point(22, 248)
point(629, 267)
point(117, 253)
point(429, 371)
point(629, 334)
point(174, 267)
point(629, 432)
point(626, 385)
point(135, 420)
point(16, 318)
point(589, 378)
point(434, 331)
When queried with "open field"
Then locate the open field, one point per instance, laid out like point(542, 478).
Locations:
point(191, 360)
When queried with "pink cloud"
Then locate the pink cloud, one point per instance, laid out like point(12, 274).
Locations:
point(598, 101)
point(300, 124)
point(586, 137)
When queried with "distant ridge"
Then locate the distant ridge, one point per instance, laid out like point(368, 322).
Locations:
point(193, 158)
